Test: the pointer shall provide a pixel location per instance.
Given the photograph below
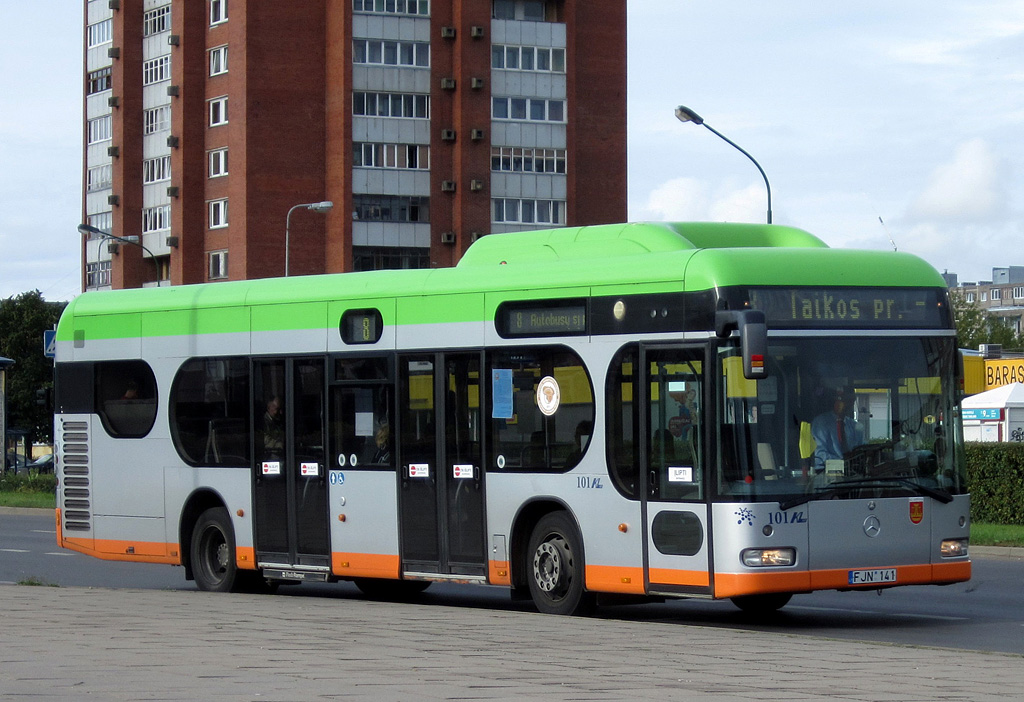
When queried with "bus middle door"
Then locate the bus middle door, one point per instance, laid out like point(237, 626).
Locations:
point(441, 495)
point(289, 472)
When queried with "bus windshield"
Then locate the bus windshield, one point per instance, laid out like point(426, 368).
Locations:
point(840, 418)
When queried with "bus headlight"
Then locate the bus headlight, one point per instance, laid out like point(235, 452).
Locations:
point(954, 548)
point(760, 557)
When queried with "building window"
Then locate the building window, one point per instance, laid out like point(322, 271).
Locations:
point(528, 58)
point(156, 70)
point(97, 274)
point(218, 213)
point(984, 297)
point(365, 258)
point(391, 53)
point(523, 10)
point(390, 208)
point(218, 163)
point(1018, 293)
point(100, 33)
point(969, 297)
point(218, 265)
point(218, 60)
point(156, 169)
point(391, 105)
point(527, 160)
point(98, 81)
point(156, 21)
point(155, 219)
point(997, 294)
point(218, 11)
point(526, 211)
point(529, 109)
point(393, 7)
point(219, 111)
point(101, 220)
point(157, 119)
point(99, 129)
point(98, 178)
point(410, 156)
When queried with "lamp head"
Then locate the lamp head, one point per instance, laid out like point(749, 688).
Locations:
point(324, 206)
point(685, 114)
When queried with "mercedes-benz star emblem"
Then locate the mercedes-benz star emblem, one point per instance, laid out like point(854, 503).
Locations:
point(872, 526)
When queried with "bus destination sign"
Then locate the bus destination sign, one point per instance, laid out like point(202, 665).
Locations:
point(849, 307)
point(543, 319)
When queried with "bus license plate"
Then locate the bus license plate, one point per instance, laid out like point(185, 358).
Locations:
point(872, 577)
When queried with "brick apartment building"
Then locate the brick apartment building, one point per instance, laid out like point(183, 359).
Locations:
point(427, 123)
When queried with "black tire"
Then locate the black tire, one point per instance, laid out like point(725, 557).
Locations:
point(555, 567)
point(213, 552)
point(384, 589)
point(762, 604)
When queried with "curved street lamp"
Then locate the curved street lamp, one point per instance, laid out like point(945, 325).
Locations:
point(685, 114)
point(324, 206)
point(88, 229)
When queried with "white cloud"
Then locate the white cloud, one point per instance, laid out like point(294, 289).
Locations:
point(969, 188)
point(689, 199)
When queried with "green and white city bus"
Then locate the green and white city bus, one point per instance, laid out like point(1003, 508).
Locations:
point(609, 413)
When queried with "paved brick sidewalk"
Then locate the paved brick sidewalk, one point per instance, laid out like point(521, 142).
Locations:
point(98, 644)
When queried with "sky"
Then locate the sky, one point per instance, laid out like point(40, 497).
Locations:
point(878, 124)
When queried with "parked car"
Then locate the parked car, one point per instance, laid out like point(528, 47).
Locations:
point(43, 464)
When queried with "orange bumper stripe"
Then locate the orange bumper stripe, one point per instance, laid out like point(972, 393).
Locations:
point(135, 551)
point(364, 565)
point(734, 584)
point(615, 579)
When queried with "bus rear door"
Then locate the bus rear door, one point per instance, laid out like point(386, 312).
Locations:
point(441, 495)
point(675, 511)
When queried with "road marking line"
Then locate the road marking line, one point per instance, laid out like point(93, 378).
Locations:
point(44, 531)
point(58, 553)
point(13, 550)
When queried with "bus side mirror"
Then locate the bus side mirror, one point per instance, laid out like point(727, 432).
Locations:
point(753, 338)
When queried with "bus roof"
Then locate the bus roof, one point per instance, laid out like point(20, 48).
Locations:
point(565, 262)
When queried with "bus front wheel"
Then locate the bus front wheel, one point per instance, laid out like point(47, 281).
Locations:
point(555, 567)
point(213, 551)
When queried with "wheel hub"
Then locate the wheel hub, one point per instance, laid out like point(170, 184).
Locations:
point(549, 565)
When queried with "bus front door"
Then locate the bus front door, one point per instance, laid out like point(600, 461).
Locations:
point(441, 492)
point(676, 548)
point(289, 471)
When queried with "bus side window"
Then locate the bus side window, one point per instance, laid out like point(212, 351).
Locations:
point(126, 398)
point(209, 410)
point(623, 422)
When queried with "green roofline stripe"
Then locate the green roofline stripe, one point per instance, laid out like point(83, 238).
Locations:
point(567, 262)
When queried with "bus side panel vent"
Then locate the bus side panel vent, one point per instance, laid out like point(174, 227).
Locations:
point(75, 495)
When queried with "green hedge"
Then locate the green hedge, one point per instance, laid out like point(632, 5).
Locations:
point(995, 475)
point(9, 482)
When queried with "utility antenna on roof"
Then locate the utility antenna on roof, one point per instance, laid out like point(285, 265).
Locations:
point(887, 233)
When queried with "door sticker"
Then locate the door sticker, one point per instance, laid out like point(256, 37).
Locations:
point(337, 477)
point(916, 511)
point(680, 474)
point(271, 468)
point(462, 471)
point(419, 470)
point(310, 469)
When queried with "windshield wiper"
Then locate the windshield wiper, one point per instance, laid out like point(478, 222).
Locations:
point(820, 492)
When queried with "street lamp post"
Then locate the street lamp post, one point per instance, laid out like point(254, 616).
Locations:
point(324, 206)
point(88, 229)
point(685, 114)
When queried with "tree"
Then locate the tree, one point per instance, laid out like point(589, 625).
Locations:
point(974, 326)
point(23, 319)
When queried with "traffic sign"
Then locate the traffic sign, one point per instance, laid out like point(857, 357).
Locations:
point(50, 343)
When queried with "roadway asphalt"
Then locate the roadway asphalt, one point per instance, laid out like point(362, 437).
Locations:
point(81, 643)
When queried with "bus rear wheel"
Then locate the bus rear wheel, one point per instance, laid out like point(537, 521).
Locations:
point(555, 567)
point(762, 604)
point(213, 551)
